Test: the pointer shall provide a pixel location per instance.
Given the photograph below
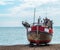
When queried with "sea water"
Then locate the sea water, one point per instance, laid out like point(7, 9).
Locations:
point(18, 35)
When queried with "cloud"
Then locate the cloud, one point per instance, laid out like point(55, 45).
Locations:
point(24, 11)
point(2, 3)
point(5, 2)
point(9, 23)
point(28, 4)
point(8, 15)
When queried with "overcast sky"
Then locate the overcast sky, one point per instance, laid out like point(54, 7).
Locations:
point(13, 12)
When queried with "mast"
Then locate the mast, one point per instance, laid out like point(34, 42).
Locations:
point(34, 16)
point(46, 12)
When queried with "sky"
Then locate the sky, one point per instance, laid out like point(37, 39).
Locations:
point(13, 12)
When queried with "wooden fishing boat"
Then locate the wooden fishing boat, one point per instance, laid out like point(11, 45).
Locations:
point(39, 35)
point(40, 32)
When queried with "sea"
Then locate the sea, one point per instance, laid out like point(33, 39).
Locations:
point(18, 35)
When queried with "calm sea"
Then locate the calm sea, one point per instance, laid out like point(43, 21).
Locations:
point(17, 35)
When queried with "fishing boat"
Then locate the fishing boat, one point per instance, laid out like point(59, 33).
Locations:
point(40, 32)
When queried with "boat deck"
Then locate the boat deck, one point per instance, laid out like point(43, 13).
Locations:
point(26, 47)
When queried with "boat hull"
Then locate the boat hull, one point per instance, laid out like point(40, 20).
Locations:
point(40, 38)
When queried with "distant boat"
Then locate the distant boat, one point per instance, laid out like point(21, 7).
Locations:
point(40, 32)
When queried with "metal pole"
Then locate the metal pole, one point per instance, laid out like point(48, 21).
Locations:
point(38, 27)
point(37, 30)
point(46, 12)
point(34, 15)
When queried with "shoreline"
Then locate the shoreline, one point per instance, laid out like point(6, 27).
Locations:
point(26, 47)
